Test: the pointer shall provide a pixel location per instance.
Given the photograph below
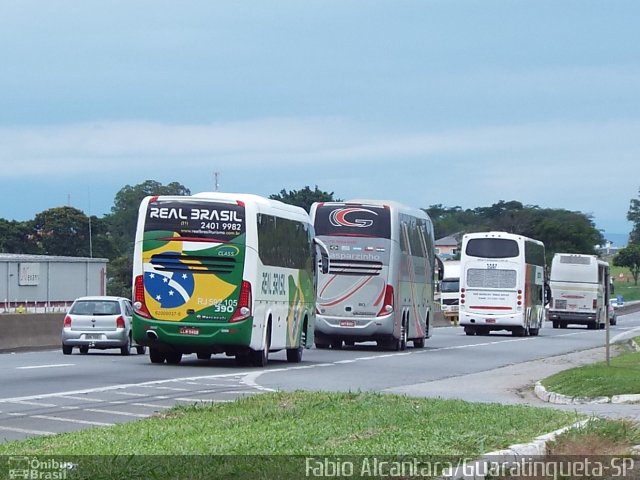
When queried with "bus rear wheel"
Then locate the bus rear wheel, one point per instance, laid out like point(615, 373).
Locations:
point(173, 358)
point(294, 355)
point(242, 360)
point(156, 356)
point(260, 358)
point(400, 344)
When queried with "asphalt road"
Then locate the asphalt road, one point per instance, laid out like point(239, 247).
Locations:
point(48, 392)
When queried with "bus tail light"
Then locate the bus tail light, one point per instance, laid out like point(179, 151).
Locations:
point(387, 304)
point(594, 304)
point(243, 310)
point(519, 297)
point(462, 295)
point(139, 305)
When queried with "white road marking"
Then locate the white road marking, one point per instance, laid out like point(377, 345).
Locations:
point(202, 400)
point(35, 404)
point(150, 405)
point(246, 378)
point(72, 420)
point(83, 399)
point(112, 412)
point(25, 430)
point(31, 367)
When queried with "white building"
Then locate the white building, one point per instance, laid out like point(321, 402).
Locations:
point(42, 282)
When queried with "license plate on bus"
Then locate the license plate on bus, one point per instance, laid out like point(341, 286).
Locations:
point(347, 323)
point(190, 331)
point(490, 320)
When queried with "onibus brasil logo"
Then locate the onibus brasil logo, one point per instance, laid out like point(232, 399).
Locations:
point(33, 468)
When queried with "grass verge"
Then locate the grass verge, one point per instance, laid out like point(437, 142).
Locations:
point(279, 429)
point(622, 376)
point(597, 438)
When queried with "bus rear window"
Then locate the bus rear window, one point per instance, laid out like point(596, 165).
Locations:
point(353, 221)
point(449, 286)
point(492, 248)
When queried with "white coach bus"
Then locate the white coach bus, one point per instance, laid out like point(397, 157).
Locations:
point(501, 283)
point(223, 273)
point(380, 284)
point(579, 290)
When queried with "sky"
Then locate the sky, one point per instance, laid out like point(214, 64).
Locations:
point(457, 103)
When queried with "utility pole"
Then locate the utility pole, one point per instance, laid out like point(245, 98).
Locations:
point(90, 237)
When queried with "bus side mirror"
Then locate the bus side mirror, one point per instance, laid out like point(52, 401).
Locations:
point(324, 263)
point(439, 268)
point(547, 294)
point(324, 255)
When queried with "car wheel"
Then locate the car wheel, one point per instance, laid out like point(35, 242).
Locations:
point(67, 349)
point(126, 348)
point(141, 349)
point(84, 349)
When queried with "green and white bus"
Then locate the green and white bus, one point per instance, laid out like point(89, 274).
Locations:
point(380, 284)
point(223, 273)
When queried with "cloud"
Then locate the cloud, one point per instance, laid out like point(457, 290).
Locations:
point(111, 146)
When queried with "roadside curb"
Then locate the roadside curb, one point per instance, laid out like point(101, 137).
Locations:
point(558, 398)
point(509, 456)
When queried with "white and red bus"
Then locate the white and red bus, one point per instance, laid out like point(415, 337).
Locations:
point(501, 283)
point(381, 280)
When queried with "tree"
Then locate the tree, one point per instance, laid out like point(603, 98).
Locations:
point(560, 230)
point(303, 198)
point(61, 231)
point(16, 237)
point(633, 215)
point(120, 230)
point(124, 214)
point(120, 279)
point(629, 257)
point(565, 231)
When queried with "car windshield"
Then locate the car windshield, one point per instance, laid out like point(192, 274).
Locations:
point(95, 307)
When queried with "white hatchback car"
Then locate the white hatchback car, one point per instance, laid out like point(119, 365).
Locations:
point(99, 322)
